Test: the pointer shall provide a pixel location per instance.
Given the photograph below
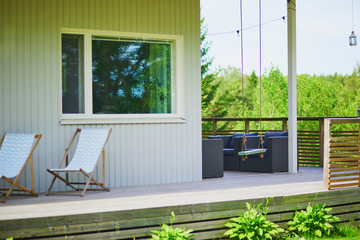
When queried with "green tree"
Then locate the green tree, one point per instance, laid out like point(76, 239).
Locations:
point(350, 99)
point(274, 98)
point(274, 94)
point(208, 84)
point(317, 96)
point(328, 96)
point(228, 101)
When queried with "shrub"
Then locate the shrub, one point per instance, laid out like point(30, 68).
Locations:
point(314, 222)
point(252, 224)
point(169, 233)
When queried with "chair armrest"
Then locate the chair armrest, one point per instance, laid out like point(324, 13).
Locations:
point(226, 139)
point(278, 152)
point(278, 144)
point(212, 158)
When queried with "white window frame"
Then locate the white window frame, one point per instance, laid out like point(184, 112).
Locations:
point(89, 118)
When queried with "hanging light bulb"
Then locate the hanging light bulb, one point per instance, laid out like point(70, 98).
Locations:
point(352, 39)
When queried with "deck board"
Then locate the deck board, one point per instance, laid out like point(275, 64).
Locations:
point(233, 186)
point(204, 206)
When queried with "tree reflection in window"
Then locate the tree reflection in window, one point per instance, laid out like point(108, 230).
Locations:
point(72, 73)
point(131, 76)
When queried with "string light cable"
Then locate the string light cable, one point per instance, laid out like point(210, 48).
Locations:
point(247, 28)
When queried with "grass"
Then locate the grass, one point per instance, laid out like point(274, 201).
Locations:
point(344, 232)
point(339, 238)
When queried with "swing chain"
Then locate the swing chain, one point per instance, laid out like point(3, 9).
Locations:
point(261, 140)
point(243, 158)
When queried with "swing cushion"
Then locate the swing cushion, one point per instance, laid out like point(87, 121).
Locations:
point(272, 134)
point(231, 144)
point(228, 151)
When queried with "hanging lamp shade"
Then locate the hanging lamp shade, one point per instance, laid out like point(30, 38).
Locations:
point(352, 39)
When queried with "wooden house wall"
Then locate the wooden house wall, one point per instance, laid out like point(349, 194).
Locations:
point(30, 88)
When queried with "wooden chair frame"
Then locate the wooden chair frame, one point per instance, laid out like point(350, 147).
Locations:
point(90, 181)
point(14, 182)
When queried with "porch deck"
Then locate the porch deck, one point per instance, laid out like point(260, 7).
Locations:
point(132, 212)
point(232, 187)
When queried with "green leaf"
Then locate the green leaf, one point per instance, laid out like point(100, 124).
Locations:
point(328, 225)
point(250, 234)
point(228, 232)
point(172, 216)
point(242, 236)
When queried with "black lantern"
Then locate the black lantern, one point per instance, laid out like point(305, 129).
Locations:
point(352, 39)
point(358, 112)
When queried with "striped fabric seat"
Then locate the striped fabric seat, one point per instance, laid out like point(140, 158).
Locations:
point(90, 148)
point(16, 150)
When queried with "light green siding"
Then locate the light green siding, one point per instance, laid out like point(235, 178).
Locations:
point(30, 87)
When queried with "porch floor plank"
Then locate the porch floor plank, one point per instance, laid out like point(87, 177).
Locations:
point(233, 186)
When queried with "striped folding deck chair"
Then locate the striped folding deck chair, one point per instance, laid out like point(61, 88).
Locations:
point(90, 148)
point(16, 151)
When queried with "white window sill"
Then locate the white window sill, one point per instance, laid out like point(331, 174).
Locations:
point(121, 119)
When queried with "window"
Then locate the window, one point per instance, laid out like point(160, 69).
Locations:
point(120, 77)
point(131, 76)
point(72, 73)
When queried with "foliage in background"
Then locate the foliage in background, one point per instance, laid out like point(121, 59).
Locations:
point(252, 225)
point(314, 222)
point(208, 85)
point(169, 233)
point(317, 96)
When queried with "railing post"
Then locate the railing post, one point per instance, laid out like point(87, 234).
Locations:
point(359, 153)
point(321, 142)
point(284, 124)
point(326, 152)
point(292, 103)
point(247, 125)
point(214, 127)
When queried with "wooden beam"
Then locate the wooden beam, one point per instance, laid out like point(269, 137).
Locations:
point(326, 152)
point(214, 127)
point(321, 143)
point(292, 102)
point(206, 219)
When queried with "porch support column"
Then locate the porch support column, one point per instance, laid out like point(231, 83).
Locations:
point(292, 107)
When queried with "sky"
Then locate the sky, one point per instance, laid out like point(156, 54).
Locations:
point(322, 35)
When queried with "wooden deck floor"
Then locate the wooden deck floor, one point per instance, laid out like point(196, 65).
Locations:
point(233, 186)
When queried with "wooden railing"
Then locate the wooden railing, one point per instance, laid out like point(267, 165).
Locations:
point(341, 154)
point(310, 141)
